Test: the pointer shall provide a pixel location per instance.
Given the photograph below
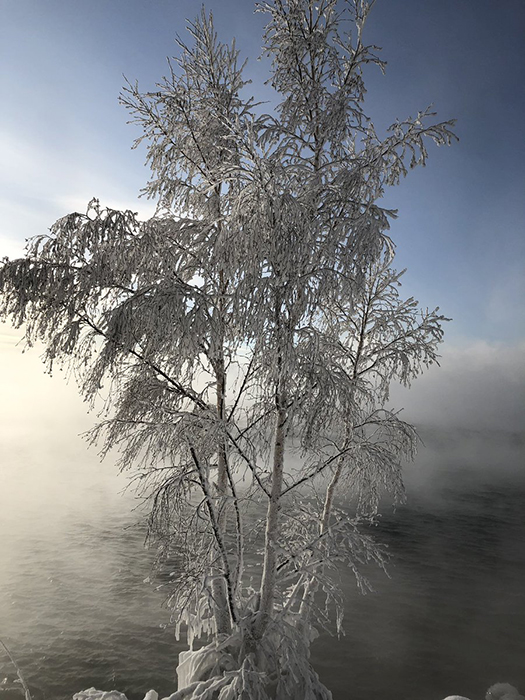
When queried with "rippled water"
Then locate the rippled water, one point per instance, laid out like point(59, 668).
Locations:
point(450, 619)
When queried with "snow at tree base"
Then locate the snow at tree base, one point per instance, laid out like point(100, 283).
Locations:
point(240, 344)
point(499, 691)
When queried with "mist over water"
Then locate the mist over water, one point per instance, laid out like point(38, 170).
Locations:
point(451, 617)
point(74, 608)
point(75, 612)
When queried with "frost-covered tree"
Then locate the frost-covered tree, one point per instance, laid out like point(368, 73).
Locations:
point(246, 336)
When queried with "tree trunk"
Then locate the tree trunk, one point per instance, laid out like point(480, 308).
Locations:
point(267, 590)
point(219, 586)
point(329, 498)
point(311, 586)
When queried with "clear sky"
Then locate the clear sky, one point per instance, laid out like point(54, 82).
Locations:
point(461, 226)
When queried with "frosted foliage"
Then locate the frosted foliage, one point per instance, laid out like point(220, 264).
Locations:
point(240, 344)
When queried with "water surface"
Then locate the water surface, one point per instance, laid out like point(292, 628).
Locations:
point(75, 611)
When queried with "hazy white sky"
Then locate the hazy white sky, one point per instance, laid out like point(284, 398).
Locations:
point(460, 232)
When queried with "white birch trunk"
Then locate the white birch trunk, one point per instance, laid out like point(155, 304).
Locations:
point(220, 585)
point(311, 585)
point(329, 498)
point(267, 590)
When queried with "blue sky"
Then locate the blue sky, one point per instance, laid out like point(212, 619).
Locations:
point(461, 226)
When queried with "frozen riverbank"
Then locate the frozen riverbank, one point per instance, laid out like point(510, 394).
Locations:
point(499, 691)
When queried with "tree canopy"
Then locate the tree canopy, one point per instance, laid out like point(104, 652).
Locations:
point(246, 336)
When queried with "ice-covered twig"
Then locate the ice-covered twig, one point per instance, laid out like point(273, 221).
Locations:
point(18, 673)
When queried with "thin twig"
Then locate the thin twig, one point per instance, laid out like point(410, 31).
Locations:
point(18, 672)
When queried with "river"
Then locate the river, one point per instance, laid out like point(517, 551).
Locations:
point(450, 617)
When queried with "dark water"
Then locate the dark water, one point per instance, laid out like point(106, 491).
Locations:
point(450, 618)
